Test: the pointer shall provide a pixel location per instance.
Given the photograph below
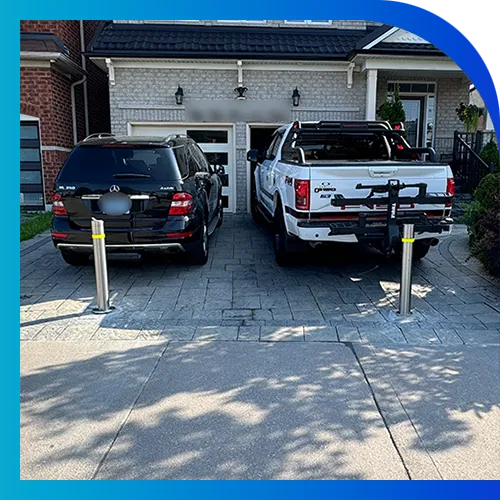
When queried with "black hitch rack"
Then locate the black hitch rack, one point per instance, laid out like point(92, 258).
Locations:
point(370, 226)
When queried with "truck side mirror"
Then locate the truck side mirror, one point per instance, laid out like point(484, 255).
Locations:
point(253, 155)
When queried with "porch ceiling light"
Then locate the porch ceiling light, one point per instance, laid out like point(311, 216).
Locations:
point(296, 97)
point(179, 95)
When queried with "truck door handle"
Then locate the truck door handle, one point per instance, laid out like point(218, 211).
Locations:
point(382, 173)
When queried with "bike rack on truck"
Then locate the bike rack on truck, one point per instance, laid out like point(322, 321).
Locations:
point(369, 226)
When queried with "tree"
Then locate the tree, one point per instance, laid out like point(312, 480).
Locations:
point(392, 109)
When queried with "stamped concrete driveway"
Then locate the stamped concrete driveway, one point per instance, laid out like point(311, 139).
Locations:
point(243, 370)
point(344, 293)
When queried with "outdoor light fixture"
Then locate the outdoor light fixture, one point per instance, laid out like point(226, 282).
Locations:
point(296, 97)
point(240, 90)
point(179, 95)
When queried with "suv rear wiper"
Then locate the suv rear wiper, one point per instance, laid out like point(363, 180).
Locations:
point(125, 174)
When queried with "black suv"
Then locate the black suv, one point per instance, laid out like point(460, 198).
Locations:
point(153, 194)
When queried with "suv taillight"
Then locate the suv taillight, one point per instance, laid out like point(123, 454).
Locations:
point(301, 194)
point(58, 205)
point(182, 204)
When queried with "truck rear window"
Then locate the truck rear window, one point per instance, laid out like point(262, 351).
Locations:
point(109, 163)
point(363, 147)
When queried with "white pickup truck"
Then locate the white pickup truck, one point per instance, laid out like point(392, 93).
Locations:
point(349, 182)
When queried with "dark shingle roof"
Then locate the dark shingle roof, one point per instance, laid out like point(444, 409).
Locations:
point(407, 47)
point(154, 40)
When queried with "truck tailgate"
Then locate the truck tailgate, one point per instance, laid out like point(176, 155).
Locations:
point(328, 180)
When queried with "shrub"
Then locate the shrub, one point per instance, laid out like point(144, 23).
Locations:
point(483, 221)
point(489, 154)
point(392, 109)
point(469, 115)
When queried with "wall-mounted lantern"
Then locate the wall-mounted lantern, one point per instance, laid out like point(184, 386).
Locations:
point(240, 90)
point(179, 95)
point(296, 97)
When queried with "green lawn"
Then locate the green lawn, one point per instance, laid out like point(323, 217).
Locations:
point(34, 224)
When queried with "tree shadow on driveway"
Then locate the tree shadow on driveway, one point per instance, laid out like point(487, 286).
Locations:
point(228, 410)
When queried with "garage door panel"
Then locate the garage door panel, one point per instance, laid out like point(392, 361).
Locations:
point(216, 143)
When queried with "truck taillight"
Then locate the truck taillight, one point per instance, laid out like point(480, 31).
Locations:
point(58, 205)
point(302, 194)
point(450, 188)
point(182, 204)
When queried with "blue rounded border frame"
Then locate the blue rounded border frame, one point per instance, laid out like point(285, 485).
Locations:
point(419, 21)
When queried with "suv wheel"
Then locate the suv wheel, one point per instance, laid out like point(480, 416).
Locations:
point(198, 253)
point(220, 214)
point(74, 258)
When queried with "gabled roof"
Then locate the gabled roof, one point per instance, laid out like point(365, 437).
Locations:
point(243, 42)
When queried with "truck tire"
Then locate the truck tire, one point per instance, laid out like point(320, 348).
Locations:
point(421, 249)
point(287, 250)
point(74, 258)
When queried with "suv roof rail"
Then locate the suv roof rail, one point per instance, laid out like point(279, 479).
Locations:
point(99, 135)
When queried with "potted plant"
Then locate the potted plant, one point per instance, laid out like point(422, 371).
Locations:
point(469, 115)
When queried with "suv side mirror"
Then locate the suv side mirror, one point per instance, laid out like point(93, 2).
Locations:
point(253, 156)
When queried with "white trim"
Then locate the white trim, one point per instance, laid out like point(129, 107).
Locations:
point(28, 118)
point(309, 22)
point(26, 63)
point(371, 94)
point(340, 109)
point(250, 65)
point(56, 148)
point(411, 64)
point(380, 38)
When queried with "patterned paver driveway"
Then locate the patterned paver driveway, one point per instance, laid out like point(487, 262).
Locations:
point(339, 294)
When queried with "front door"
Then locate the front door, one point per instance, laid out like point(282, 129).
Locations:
point(414, 110)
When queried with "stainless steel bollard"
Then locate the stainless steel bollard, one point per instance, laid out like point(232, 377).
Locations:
point(406, 268)
point(101, 268)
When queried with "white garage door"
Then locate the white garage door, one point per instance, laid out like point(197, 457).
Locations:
point(216, 142)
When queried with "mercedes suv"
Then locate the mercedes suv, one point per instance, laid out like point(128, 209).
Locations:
point(153, 194)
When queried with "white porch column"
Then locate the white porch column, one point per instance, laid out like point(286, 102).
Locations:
point(371, 94)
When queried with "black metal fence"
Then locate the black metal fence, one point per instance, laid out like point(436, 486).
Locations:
point(468, 168)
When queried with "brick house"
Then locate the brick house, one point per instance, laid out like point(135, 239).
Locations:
point(186, 77)
point(64, 97)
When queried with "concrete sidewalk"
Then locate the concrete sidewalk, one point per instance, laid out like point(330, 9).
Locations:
point(250, 410)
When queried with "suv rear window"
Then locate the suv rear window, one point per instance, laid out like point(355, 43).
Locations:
point(112, 162)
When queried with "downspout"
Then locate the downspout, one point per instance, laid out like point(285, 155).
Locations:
point(73, 108)
point(85, 91)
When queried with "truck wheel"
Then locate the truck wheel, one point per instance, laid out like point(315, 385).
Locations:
point(421, 249)
point(74, 258)
point(198, 251)
point(286, 250)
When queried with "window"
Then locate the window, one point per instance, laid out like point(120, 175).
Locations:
point(32, 200)
point(30, 155)
point(29, 132)
point(110, 163)
point(31, 167)
point(217, 158)
point(412, 87)
point(31, 177)
point(274, 147)
point(208, 136)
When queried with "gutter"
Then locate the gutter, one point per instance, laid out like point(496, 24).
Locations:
point(60, 60)
point(73, 107)
point(85, 89)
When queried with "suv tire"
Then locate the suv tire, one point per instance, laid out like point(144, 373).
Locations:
point(220, 215)
point(198, 251)
point(74, 258)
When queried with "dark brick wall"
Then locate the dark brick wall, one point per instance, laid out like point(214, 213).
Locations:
point(46, 94)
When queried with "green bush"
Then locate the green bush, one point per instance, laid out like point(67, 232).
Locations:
point(483, 221)
point(489, 154)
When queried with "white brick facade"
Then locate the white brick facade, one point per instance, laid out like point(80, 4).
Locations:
point(147, 95)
